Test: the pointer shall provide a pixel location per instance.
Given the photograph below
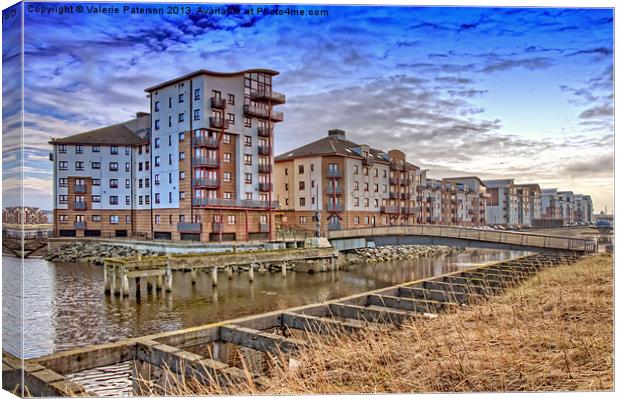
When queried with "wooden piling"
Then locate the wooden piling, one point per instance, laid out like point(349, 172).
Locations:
point(168, 279)
point(114, 288)
point(106, 280)
point(251, 272)
point(149, 284)
point(159, 282)
point(137, 281)
point(193, 274)
point(214, 275)
point(229, 272)
point(124, 283)
point(283, 269)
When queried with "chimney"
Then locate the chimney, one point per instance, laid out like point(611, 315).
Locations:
point(338, 134)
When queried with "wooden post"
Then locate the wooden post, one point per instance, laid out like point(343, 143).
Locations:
point(137, 281)
point(229, 271)
point(332, 263)
point(193, 274)
point(124, 283)
point(159, 282)
point(168, 279)
point(283, 269)
point(106, 280)
point(214, 275)
point(149, 284)
point(251, 272)
point(115, 290)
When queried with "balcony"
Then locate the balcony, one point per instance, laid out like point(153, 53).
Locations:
point(234, 203)
point(333, 173)
point(410, 210)
point(204, 141)
point(404, 182)
point(390, 209)
point(268, 96)
point(420, 188)
point(218, 103)
point(260, 112)
point(263, 227)
point(189, 228)
point(204, 182)
point(405, 196)
point(79, 205)
point(367, 161)
point(79, 189)
point(262, 186)
point(394, 180)
point(334, 226)
point(396, 166)
point(264, 131)
point(334, 190)
point(217, 227)
point(79, 225)
point(334, 207)
point(264, 168)
point(264, 150)
point(218, 123)
point(394, 195)
point(205, 161)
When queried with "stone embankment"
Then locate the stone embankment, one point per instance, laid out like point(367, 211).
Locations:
point(390, 253)
point(93, 253)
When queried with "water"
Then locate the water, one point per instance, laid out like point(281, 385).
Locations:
point(65, 307)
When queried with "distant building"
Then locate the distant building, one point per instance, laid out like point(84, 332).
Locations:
point(584, 208)
point(528, 203)
point(471, 200)
point(550, 204)
point(24, 215)
point(502, 205)
point(568, 212)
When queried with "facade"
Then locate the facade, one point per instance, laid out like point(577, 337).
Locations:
point(502, 205)
point(583, 206)
point(471, 200)
point(528, 203)
point(24, 215)
point(344, 185)
point(568, 212)
point(198, 168)
point(550, 204)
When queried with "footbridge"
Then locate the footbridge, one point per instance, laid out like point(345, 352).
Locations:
point(457, 236)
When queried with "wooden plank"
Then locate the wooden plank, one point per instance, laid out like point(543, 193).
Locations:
point(370, 314)
point(435, 295)
point(410, 304)
point(258, 340)
point(317, 325)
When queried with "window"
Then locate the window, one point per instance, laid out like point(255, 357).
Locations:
point(182, 175)
point(196, 94)
point(376, 202)
point(356, 220)
point(302, 219)
point(169, 159)
point(139, 183)
point(355, 169)
point(228, 195)
point(157, 142)
point(302, 185)
point(247, 140)
point(114, 150)
point(79, 165)
point(227, 157)
point(285, 186)
point(248, 196)
point(127, 183)
point(169, 140)
point(113, 183)
point(301, 169)
point(96, 182)
point(231, 119)
point(157, 179)
point(147, 199)
point(356, 201)
point(232, 219)
point(146, 182)
point(365, 186)
point(156, 106)
point(127, 150)
point(62, 199)
point(139, 166)
point(113, 166)
point(96, 198)
point(63, 182)
point(182, 136)
point(248, 178)
point(247, 122)
point(63, 218)
point(170, 121)
point(376, 172)
point(79, 149)
point(227, 176)
point(196, 114)
point(181, 98)
point(365, 171)
point(302, 201)
point(231, 99)
point(127, 219)
point(285, 171)
point(95, 165)
point(376, 187)
point(157, 160)
point(114, 219)
point(63, 165)
point(169, 197)
point(157, 198)
point(356, 185)
point(182, 195)
point(226, 138)
point(181, 155)
point(146, 165)
point(96, 218)
point(96, 148)
point(140, 201)
point(113, 200)
point(157, 219)
point(366, 202)
point(169, 102)
point(385, 173)
point(62, 148)
point(127, 167)
point(247, 159)
point(181, 117)
point(127, 200)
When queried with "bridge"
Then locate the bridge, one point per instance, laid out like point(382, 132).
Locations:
point(456, 236)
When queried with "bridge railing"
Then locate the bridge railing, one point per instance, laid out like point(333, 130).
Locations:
point(502, 237)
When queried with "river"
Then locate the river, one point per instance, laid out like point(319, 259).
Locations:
point(64, 305)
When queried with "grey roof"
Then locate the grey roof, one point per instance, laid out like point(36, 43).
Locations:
point(190, 75)
point(118, 134)
point(549, 191)
point(498, 183)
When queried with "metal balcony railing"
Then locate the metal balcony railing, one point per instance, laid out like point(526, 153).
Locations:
point(189, 227)
point(218, 123)
point(263, 113)
point(263, 227)
point(79, 225)
point(264, 150)
point(268, 95)
point(205, 161)
point(264, 131)
point(333, 173)
point(79, 205)
point(79, 189)
point(204, 141)
point(204, 182)
point(334, 190)
point(394, 180)
point(389, 209)
point(264, 168)
point(264, 186)
point(237, 203)
point(218, 102)
point(334, 207)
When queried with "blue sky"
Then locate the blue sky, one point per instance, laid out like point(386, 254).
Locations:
point(504, 92)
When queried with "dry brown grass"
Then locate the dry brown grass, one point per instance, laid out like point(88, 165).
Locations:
point(553, 333)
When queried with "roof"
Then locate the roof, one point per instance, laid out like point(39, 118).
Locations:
point(211, 73)
point(498, 183)
point(465, 178)
point(549, 191)
point(529, 185)
point(118, 134)
point(331, 145)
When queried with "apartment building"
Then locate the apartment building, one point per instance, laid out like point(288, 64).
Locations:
point(471, 200)
point(528, 203)
point(344, 185)
point(568, 212)
point(583, 206)
point(430, 199)
point(198, 167)
point(550, 204)
point(502, 204)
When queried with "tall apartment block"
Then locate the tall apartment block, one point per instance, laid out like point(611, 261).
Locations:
point(198, 168)
point(528, 203)
point(550, 204)
point(471, 200)
point(345, 184)
point(502, 206)
point(583, 205)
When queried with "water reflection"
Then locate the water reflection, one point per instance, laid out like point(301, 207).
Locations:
point(65, 307)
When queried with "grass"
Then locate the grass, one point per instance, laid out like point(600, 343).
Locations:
point(552, 333)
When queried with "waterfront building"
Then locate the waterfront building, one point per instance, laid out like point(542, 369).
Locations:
point(567, 207)
point(528, 203)
point(550, 204)
point(502, 204)
point(345, 185)
point(24, 215)
point(584, 211)
point(471, 200)
point(197, 168)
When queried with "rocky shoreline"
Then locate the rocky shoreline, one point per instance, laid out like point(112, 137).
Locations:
point(394, 252)
point(93, 253)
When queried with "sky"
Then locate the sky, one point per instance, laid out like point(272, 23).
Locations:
point(494, 92)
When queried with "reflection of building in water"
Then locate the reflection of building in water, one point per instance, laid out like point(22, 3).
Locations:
point(24, 215)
